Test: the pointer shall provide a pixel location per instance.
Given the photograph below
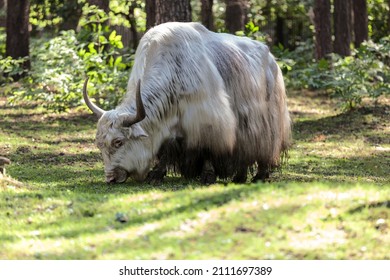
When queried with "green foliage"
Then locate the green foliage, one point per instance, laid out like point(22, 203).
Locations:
point(378, 11)
point(105, 63)
point(300, 69)
point(56, 74)
point(364, 74)
point(61, 64)
point(253, 31)
point(2, 41)
point(10, 67)
point(119, 13)
point(45, 13)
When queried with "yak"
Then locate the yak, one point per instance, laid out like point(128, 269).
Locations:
point(219, 98)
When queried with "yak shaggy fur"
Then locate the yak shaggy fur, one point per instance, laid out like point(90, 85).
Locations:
point(201, 68)
point(221, 96)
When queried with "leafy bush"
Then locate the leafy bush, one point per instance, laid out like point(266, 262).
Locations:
point(60, 65)
point(56, 73)
point(10, 67)
point(366, 73)
point(105, 61)
point(299, 67)
point(3, 36)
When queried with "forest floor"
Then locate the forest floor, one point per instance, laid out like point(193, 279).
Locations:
point(330, 201)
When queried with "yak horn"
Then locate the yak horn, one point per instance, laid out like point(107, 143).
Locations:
point(95, 109)
point(140, 115)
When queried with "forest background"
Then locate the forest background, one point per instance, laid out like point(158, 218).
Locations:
point(339, 46)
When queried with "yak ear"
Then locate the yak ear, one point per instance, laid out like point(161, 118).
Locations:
point(138, 131)
point(134, 130)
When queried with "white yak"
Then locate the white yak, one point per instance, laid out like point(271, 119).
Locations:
point(221, 95)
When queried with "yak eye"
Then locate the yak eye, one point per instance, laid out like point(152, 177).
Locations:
point(117, 143)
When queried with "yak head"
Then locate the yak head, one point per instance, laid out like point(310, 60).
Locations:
point(121, 140)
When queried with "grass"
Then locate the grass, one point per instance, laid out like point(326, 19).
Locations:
point(331, 201)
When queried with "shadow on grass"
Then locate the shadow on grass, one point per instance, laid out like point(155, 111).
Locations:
point(85, 206)
point(360, 121)
point(38, 125)
point(351, 169)
point(376, 204)
point(150, 243)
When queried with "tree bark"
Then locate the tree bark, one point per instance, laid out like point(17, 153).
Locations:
point(133, 24)
point(323, 28)
point(150, 9)
point(174, 10)
point(280, 31)
point(236, 15)
point(342, 27)
point(17, 42)
point(360, 21)
point(207, 14)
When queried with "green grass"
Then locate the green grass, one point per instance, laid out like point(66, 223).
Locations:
point(331, 201)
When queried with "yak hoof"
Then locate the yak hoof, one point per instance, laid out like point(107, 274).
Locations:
point(208, 178)
point(263, 176)
point(155, 177)
point(239, 178)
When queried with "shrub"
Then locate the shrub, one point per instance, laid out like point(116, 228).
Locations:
point(300, 68)
point(366, 73)
point(106, 63)
point(10, 67)
point(56, 73)
point(60, 65)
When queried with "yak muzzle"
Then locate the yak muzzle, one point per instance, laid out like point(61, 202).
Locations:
point(119, 175)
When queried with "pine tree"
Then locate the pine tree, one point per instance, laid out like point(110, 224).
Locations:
point(18, 37)
point(236, 15)
point(323, 28)
point(342, 27)
point(173, 10)
point(360, 21)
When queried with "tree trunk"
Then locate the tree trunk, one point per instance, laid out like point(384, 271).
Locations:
point(133, 24)
point(174, 10)
point(236, 15)
point(207, 14)
point(101, 4)
point(150, 9)
point(342, 27)
point(280, 26)
point(360, 21)
point(17, 42)
point(323, 28)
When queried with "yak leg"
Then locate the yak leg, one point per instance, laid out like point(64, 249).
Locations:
point(157, 174)
point(263, 173)
point(208, 176)
point(241, 175)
